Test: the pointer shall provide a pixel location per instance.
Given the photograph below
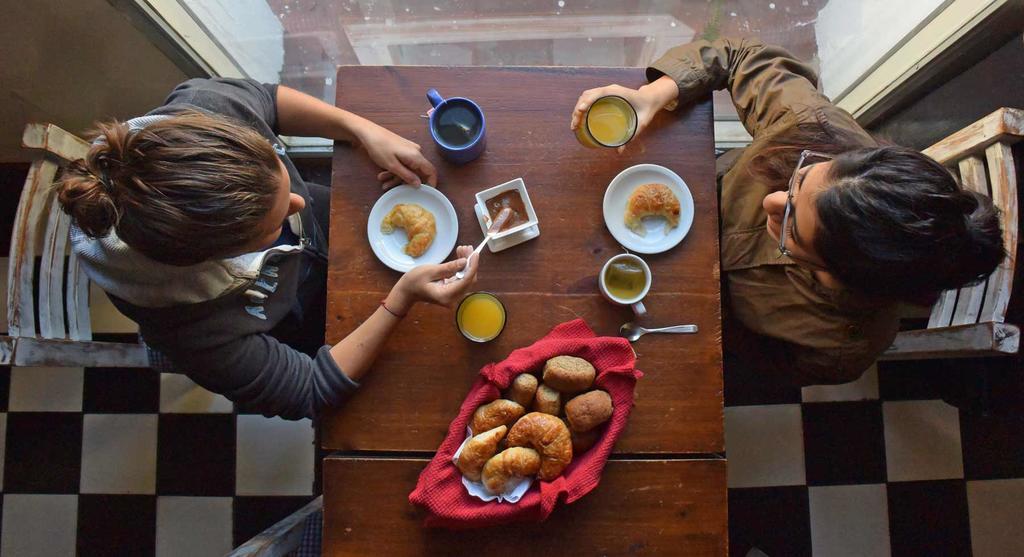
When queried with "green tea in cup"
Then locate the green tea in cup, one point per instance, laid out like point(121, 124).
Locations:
point(625, 280)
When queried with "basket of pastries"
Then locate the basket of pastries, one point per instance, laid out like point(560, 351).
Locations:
point(535, 429)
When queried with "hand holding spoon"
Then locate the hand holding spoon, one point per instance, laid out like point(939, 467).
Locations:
point(495, 227)
point(632, 331)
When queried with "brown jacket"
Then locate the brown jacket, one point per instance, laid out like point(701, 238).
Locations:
point(787, 319)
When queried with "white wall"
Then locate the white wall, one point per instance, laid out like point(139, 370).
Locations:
point(73, 62)
point(854, 35)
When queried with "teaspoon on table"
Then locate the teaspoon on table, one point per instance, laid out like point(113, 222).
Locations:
point(496, 225)
point(632, 331)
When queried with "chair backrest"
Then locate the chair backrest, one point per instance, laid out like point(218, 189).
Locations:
point(981, 156)
point(53, 328)
point(41, 230)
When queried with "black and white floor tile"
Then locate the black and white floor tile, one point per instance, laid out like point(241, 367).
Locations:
point(132, 462)
point(881, 466)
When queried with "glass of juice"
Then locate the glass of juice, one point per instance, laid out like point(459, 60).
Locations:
point(480, 317)
point(609, 122)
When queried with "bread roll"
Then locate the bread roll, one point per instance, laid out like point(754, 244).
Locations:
point(588, 410)
point(516, 462)
point(494, 414)
point(478, 451)
point(523, 387)
point(549, 436)
point(569, 374)
point(547, 400)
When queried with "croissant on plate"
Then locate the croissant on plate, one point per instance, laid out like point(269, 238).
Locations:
point(651, 200)
point(418, 224)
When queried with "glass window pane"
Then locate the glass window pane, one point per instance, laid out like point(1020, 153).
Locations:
point(300, 42)
point(314, 36)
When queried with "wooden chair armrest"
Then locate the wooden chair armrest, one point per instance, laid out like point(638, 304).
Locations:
point(964, 341)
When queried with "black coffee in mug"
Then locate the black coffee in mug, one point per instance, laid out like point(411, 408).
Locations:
point(458, 125)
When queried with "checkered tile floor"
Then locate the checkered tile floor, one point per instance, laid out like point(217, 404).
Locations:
point(132, 462)
point(880, 466)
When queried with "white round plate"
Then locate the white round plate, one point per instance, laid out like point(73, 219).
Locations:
point(389, 247)
point(658, 238)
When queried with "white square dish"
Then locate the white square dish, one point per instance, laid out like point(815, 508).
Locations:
point(489, 193)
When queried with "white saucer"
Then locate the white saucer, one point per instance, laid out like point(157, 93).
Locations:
point(388, 247)
point(658, 238)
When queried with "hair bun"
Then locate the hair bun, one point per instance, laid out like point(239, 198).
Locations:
point(983, 239)
point(87, 199)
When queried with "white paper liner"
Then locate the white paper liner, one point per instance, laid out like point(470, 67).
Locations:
point(515, 489)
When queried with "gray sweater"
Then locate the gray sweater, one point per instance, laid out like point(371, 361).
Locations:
point(212, 320)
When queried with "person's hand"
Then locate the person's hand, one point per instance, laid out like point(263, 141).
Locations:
point(647, 101)
point(434, 283)
point(401, 159)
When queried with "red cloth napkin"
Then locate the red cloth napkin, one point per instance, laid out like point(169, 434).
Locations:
point(440, 490)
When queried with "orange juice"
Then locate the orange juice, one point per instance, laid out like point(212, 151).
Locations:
point(480, 317)
point(610, 122)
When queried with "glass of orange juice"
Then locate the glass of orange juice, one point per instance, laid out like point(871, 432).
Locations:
point(609, 122)
point(480, 317)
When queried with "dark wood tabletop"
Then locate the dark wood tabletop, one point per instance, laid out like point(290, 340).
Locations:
point(415, 388)
point(427, 367)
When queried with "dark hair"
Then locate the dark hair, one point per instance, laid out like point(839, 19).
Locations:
point(180, 190)
point(894, 223)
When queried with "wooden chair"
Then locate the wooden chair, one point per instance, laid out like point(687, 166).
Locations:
point(969, 322)
point(52, 328)
point(281, 538)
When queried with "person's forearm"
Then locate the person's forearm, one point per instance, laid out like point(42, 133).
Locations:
point(356, 352)
point(661, 91)
point(302, 115)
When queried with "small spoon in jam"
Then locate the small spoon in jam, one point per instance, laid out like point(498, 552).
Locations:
point(496, 225)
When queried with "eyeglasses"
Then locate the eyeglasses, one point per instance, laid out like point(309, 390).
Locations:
point(800, 164)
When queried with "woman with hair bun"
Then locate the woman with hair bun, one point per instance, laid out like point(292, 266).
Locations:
point(823, 230)
point(197, 224)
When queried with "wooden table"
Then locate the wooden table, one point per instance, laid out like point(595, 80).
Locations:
point(667, 470)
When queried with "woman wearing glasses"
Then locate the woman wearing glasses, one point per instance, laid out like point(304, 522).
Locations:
point(824, 231)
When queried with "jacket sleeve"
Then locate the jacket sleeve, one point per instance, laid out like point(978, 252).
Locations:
point(766, 82)
point(260, 373)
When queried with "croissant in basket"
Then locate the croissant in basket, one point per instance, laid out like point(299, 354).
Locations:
point(512, 463)
point(549, 436)
point(494, 414)
point(478, 451)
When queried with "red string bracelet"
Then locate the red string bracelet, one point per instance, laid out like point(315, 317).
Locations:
point(384, 305)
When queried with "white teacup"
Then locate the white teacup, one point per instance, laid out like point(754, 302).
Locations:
point(635, 302)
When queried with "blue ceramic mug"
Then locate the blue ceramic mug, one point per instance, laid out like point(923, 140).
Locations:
point(457, 126)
